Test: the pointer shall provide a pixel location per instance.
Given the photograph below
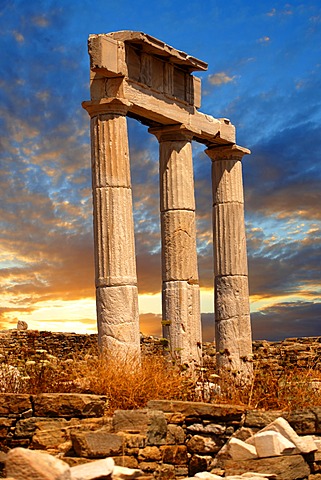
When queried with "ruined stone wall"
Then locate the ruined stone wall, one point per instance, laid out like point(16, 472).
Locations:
point(169, 439)
point(299, 352)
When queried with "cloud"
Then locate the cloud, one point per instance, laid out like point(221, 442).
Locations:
point(18, 36)
point(264, 39)
point(41, 21)
point(271, 13)
point(301, 319)
point(220, 78)
point(150, 324)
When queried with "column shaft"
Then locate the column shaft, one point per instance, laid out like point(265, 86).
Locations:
point(180, 292)
point(115, 264)
point(232, 310)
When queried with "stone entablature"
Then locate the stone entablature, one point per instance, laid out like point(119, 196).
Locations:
point(133, 74)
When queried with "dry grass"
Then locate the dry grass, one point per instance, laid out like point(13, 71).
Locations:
point(291, 388)
point(130, 385)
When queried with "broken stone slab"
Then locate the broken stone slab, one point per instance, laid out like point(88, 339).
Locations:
point(93, 470)
point(239, 450)
point(207, 476)
point(272, 444)
point(98, 444)
point(303, 444)
point(68, 405)
point(260, 475)
point(226, 413)
point(25, 464)
point(13, 404)
point(292, 467)
point(123, 473)
point(144, 421)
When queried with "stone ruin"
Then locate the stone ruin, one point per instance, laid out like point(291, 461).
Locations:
point(133, 74)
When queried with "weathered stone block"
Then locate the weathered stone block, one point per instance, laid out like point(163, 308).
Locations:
point(126, 461)
point(148, 422)
point(239, 450)
point(148, 467)
point(122, 472)
point(291, 467)
point(5, 425)
point(157, 428)
point(134, 440)
point(201, 445)
point(14, 403)
point(226, 413)
point(272, 444)
point(22, 464)
point(260, 419)
point(131, 421)
point(49, 434)
point(174, 454)
point(149, 454)
point(198, 463)
point(68, 405)
point(165, 472)
point(98, 469)
point(175, 435)
point(97, 444)
point(303, 422)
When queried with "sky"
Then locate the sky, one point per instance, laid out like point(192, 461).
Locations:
point(264, 74)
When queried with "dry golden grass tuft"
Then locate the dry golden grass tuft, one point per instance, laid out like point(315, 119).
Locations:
point(288, 389)
point(130, 384)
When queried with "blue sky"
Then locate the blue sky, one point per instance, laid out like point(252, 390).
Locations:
point(264, 75)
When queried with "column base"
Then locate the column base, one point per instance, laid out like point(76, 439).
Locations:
point(234, 348)
point(182, 321)
point(118, 321)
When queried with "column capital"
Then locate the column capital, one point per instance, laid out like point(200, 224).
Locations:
point(172, 133)
point(226, 152)
point(111, 106)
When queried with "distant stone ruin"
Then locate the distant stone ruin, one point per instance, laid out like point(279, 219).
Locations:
point(133, 74)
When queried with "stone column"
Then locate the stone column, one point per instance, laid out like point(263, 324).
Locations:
point(115, 263)
point(232, 310)
point(180, 291)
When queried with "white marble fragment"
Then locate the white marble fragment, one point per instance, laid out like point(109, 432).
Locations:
point(123, 473)
point(272, 444)
point(97, 469)
point(240, 450)
point(304, 444)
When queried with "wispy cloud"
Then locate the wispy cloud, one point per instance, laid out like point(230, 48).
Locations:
point(264, 39)
point(18, 36)
point(220, 78)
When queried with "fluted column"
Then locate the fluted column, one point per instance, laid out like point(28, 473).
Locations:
point(180, 291)
point(232, 310)
point(115, 264)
